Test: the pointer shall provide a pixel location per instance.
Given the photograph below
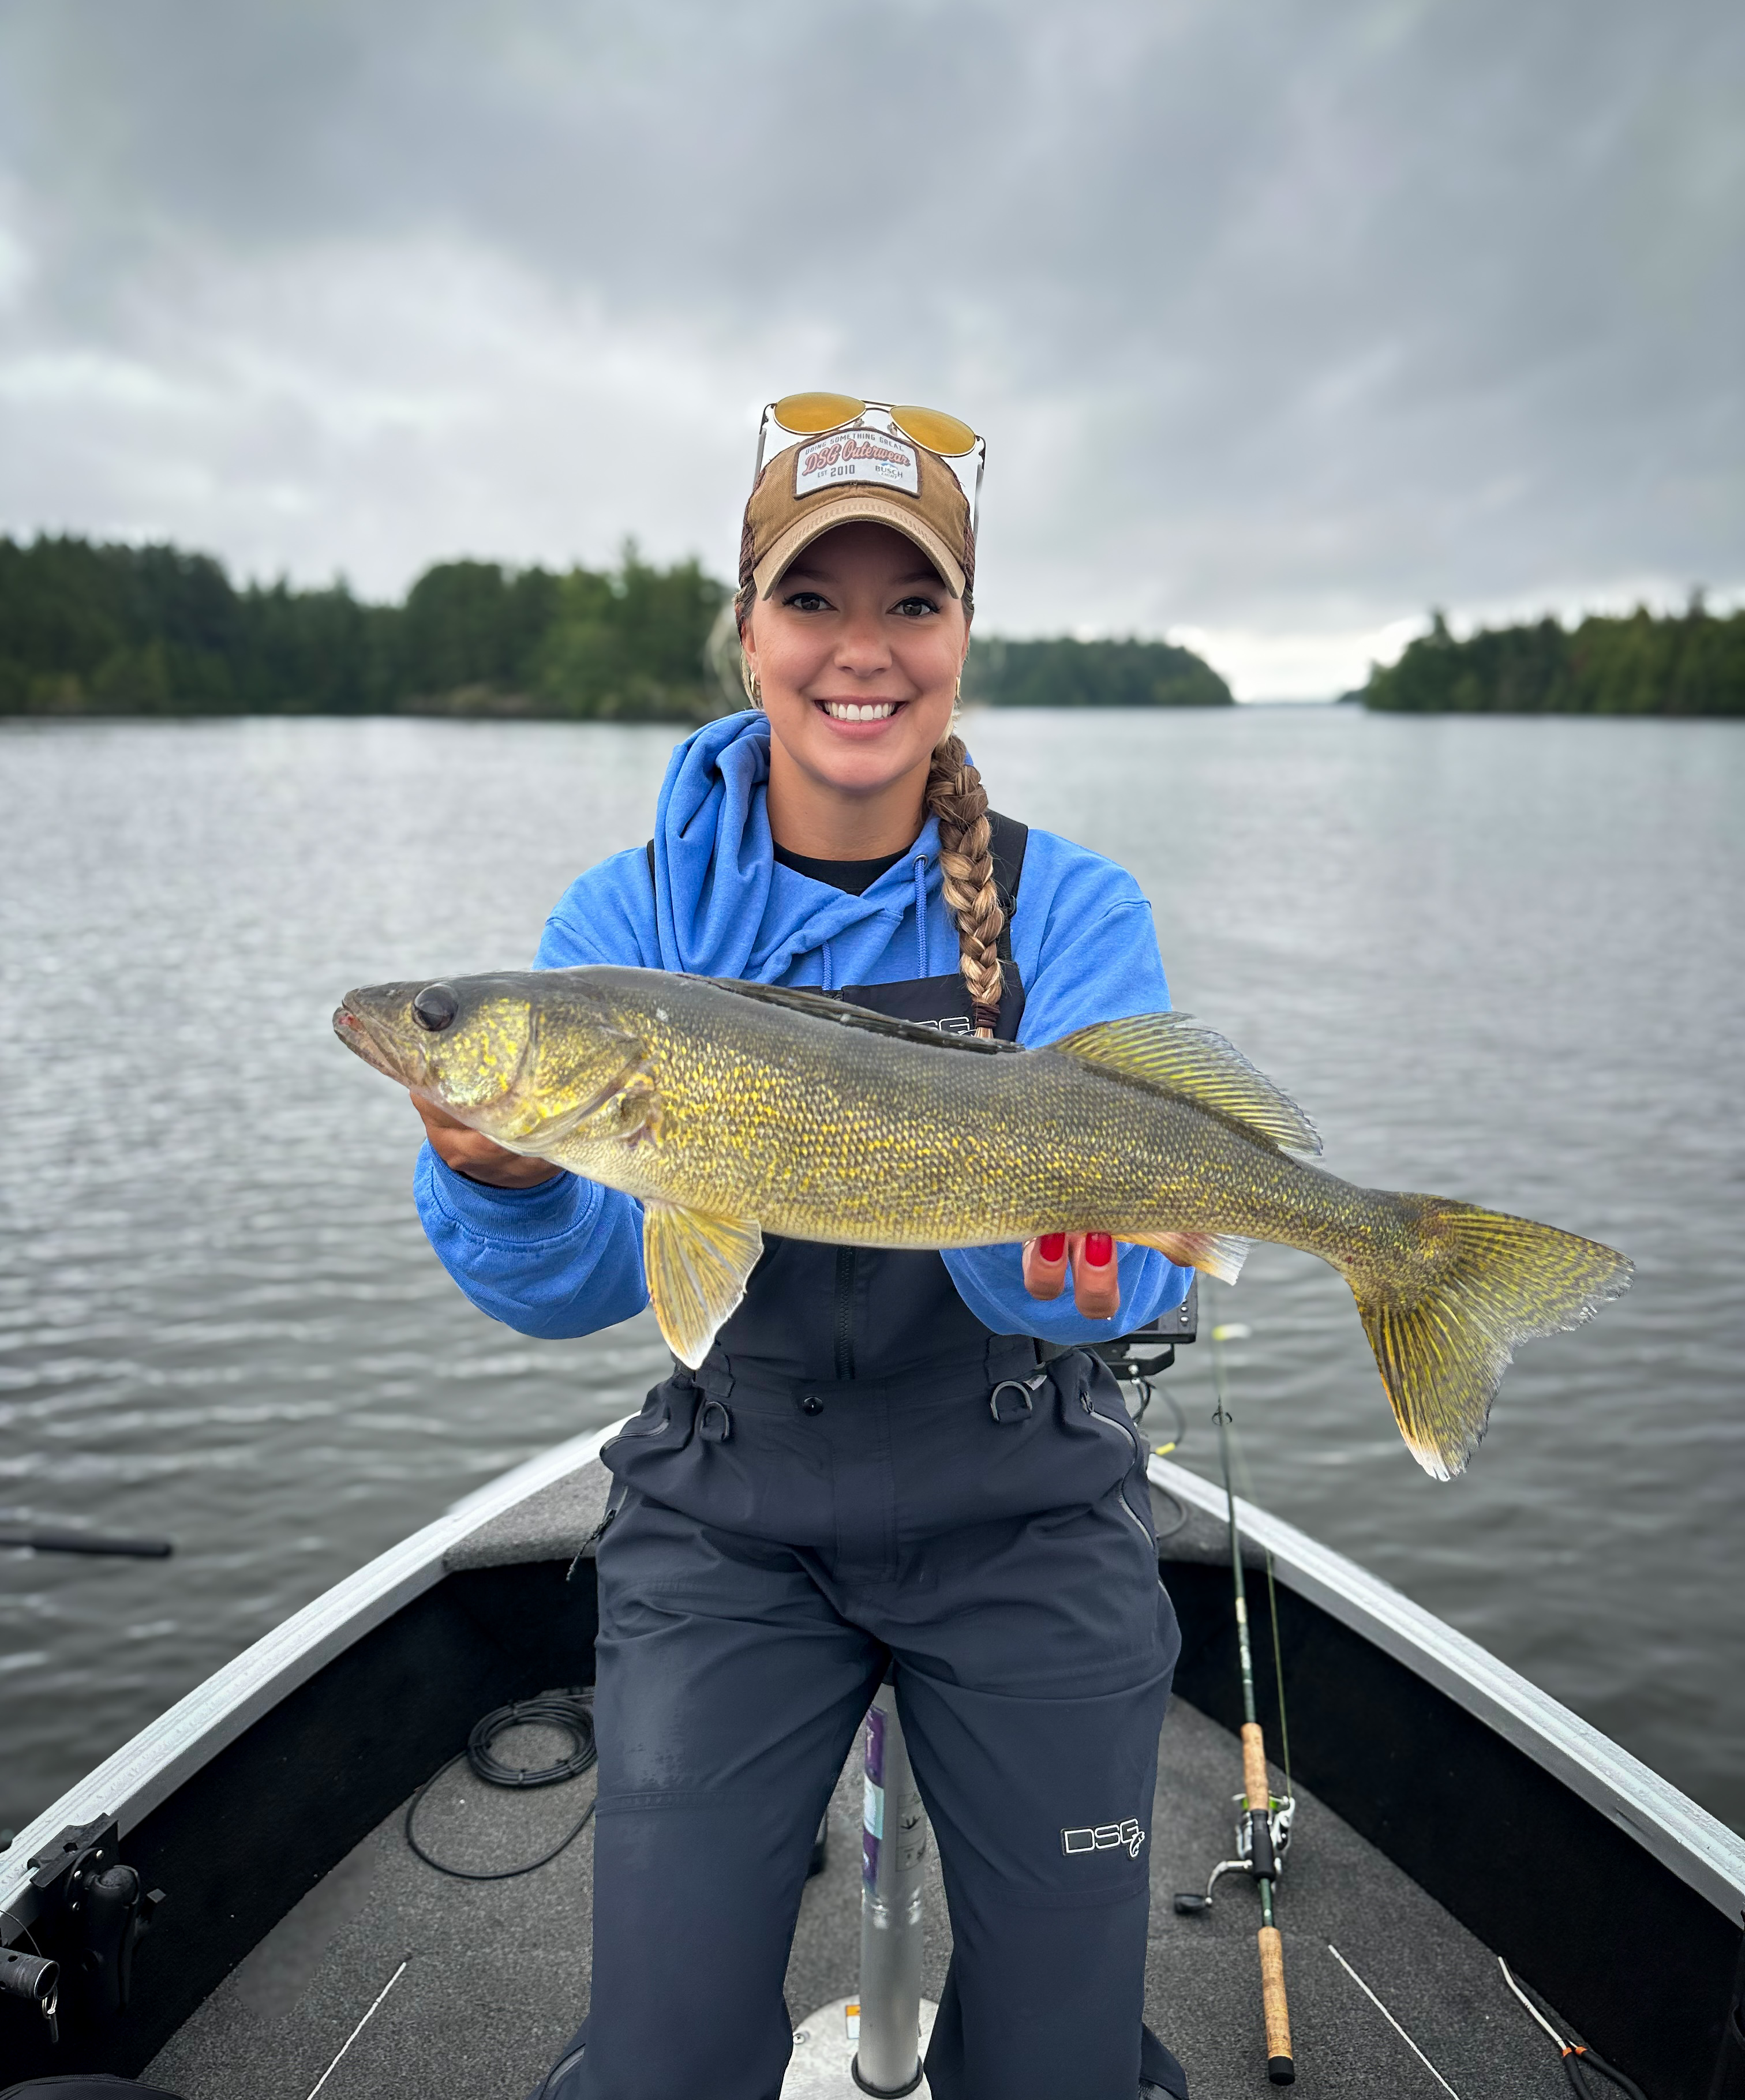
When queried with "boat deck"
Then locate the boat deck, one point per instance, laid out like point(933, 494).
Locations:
point(496, 1973)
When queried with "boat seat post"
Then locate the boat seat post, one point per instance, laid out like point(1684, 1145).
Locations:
point(894, 1843)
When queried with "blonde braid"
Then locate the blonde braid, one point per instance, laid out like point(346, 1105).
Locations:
point(956, 797)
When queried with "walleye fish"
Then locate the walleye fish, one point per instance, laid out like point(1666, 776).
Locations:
point(730, 1109)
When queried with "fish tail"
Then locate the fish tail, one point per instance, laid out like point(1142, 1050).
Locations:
point(1444, 1322)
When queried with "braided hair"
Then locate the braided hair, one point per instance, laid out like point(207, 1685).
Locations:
point(954, 795)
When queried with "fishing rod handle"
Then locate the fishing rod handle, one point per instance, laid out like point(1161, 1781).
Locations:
point(1281, 2066)
point(1258, 1787)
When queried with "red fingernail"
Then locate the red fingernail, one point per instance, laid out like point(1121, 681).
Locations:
point(1052, 1247)
point(1099, 1249)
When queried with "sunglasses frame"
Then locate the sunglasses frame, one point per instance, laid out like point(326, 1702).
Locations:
point(977, 450)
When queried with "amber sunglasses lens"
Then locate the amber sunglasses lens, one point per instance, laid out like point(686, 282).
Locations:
point(937, 432)
point(808, 413)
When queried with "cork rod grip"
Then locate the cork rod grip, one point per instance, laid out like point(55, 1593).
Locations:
point(1254, 1766)
point(1280, 2066)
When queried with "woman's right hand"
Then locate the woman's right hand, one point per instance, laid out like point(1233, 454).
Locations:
point(458, 1146)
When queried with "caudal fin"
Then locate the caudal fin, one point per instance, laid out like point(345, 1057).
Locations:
point(1484, 1282)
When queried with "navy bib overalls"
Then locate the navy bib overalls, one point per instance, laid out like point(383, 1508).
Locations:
point(860, 1476)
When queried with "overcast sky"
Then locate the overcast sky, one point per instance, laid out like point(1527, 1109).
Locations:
point(1284, 321)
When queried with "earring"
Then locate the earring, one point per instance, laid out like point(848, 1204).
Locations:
point(957, 691)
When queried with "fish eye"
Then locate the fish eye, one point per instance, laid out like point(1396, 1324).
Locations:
point(435, 1007)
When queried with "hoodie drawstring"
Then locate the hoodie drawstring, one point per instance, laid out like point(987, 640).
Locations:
point(829, 969)
point(921, 911)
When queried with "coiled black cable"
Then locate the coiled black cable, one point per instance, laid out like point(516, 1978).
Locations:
point(571, 1712)
point(1147, 1393)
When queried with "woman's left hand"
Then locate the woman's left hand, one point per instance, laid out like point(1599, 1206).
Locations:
point(1090, 1256)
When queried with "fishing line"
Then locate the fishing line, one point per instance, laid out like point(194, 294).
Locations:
point(1278, 1672)
point(572, 1713)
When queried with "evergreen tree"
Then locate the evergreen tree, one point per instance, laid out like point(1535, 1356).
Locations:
point(1691, 663)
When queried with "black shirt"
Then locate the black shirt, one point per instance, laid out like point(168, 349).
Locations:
point(855, 877)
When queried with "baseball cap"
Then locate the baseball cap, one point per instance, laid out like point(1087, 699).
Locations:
point(857, 472)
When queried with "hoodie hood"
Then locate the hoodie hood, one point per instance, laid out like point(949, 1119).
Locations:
point(724, 906)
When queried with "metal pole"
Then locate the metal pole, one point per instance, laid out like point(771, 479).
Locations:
point(894, 1842)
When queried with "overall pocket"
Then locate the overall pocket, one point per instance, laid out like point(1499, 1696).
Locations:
point(1090, 1406)
point(665, 1424)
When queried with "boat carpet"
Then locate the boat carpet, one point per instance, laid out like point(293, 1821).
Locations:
point(495, 1975)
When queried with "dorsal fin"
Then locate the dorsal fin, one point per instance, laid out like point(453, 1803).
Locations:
point(1175, 1054)
point(820, 1006)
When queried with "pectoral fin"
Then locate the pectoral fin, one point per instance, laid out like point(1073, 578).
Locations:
point(697, 1267)
point(1221, 1255)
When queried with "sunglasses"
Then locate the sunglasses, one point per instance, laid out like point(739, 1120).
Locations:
point(811, 415)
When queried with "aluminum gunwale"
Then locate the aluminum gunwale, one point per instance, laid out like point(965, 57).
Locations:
point(145, 1772)
point(167, 1752)
point(1669, 1826)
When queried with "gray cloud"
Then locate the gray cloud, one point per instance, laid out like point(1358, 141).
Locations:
point(1284, 321)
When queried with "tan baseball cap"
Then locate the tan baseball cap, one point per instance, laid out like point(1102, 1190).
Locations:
point(851, 474)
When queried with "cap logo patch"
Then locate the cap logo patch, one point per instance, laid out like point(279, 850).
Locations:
point(847, 456)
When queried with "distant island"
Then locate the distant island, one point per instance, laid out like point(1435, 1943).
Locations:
point(1064, 673)
point(93, 629)
point(1691, 662)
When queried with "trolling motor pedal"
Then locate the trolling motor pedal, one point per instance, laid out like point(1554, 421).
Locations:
point(92, 1912)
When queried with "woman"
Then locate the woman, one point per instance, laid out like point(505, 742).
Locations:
point(832, 1494)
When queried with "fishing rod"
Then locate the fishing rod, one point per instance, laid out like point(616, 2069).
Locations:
point(1263, 1828)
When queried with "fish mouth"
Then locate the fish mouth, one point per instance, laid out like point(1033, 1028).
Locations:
point(354, 1031)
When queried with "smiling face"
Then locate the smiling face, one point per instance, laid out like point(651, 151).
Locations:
point(858, 650)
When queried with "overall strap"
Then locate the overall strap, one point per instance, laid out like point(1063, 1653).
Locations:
point(1008, 841)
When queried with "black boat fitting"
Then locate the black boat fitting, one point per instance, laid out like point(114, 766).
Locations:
point(92, 1911)
point(34, 1979)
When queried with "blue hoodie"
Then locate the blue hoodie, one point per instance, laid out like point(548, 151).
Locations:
point(566, 1257)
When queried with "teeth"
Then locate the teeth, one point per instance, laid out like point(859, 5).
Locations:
point(860, 710)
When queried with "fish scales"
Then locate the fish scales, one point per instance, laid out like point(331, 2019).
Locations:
point(731, 1110)
point(851, 1137)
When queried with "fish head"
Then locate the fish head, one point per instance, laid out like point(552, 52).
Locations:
point(523, 1057)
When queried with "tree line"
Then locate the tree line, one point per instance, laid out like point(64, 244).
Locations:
point(87, 628)
point(1691, 662)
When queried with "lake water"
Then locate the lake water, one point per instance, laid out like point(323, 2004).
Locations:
point(1501, 959)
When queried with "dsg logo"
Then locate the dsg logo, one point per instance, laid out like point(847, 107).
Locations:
point(1106, 1837)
